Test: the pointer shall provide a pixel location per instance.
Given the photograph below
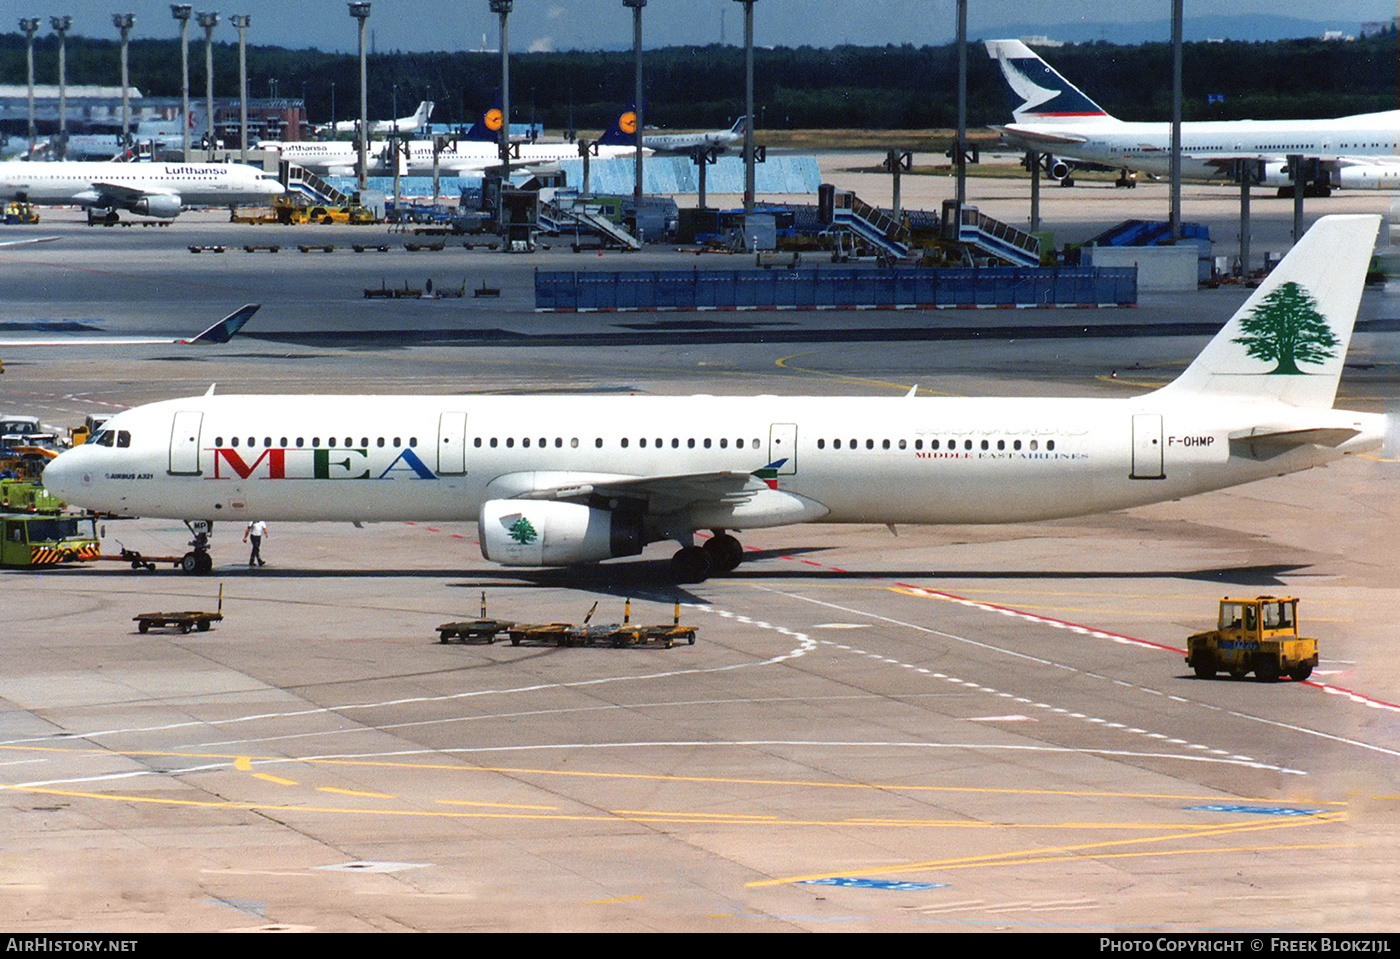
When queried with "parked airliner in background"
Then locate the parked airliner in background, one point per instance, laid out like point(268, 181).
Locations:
point(555, 481)
point(161, 135)
point(380, 128)
point(221, 332)
point(468, 155)
point(1052, 116)
point(150, 189)
point(717, 140)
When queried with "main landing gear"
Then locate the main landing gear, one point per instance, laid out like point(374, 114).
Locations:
point(721, 553)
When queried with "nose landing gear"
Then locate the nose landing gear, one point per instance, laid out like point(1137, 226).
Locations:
point(198, 562)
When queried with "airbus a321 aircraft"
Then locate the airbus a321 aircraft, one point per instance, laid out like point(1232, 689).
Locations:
point(1051, 115)
point(151, 189)
point(469, 155)
point(556, 481)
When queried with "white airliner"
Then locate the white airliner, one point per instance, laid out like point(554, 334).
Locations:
point(468, 155)
point(221, 332)
point(1053, 116)
point(162, 135)
point(150, 189)
point(379, 128)
point(717, 140)
point(556, 481)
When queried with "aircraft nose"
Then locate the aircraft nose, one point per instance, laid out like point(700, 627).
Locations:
point(64, 477)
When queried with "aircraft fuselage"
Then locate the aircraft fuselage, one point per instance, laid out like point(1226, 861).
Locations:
point(870, 460)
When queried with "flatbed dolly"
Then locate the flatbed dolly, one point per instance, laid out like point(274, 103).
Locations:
point(474, 630)
point(666, 635)
point(563, 634)
point(616, 635)
point(184, 621)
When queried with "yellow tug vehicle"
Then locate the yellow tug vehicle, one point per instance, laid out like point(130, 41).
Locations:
point(1258, 635)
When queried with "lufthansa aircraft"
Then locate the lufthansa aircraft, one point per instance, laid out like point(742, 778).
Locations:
point(557, 481)
point(150, 189)
point(1053, 116)
point(469, 155)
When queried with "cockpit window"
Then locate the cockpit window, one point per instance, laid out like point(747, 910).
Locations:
point(118, 438)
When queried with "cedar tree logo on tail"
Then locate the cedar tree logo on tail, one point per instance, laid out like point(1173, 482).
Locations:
point(1287, 328)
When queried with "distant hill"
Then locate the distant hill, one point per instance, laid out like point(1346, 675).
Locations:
point(1247, 28)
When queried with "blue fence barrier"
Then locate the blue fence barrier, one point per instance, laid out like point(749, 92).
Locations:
point(816, 289)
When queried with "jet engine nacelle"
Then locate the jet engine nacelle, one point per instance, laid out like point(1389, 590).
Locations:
point(1276, 173)
point(1319, 178)
point(1380, 176)
point(165, 207)
point(1057, 169)
point(516, 532)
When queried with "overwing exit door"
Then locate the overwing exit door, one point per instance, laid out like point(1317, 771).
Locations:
point(782, 445)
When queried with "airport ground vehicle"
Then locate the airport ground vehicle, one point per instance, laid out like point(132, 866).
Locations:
point(78, 435)
point(1258, 635)
point(17, 212)
point(29, 540)
point(288, 212)
point(26, 496)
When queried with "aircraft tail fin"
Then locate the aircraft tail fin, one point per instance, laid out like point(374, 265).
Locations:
point(623, 131)
point(487, 128)
point(1038, 93)
point(228, 327)
point(1289, 340)
point(423, 114)
point(739, 126)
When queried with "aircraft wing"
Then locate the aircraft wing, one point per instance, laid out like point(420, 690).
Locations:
point(1330, 160)
point(663, 493)
point(220, 332)
point(28, 240)
point(126, 195)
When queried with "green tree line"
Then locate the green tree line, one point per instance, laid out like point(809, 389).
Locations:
point(890, 87)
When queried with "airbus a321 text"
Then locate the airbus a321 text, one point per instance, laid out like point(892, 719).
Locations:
point(557, 481)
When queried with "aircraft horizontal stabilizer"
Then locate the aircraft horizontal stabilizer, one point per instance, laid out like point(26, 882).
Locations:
point(1263, 443)
point(1033, 135)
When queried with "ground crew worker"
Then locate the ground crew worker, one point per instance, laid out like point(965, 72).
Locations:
point(254, 532)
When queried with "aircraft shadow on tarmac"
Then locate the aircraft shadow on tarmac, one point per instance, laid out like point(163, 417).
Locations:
point(655, 575)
